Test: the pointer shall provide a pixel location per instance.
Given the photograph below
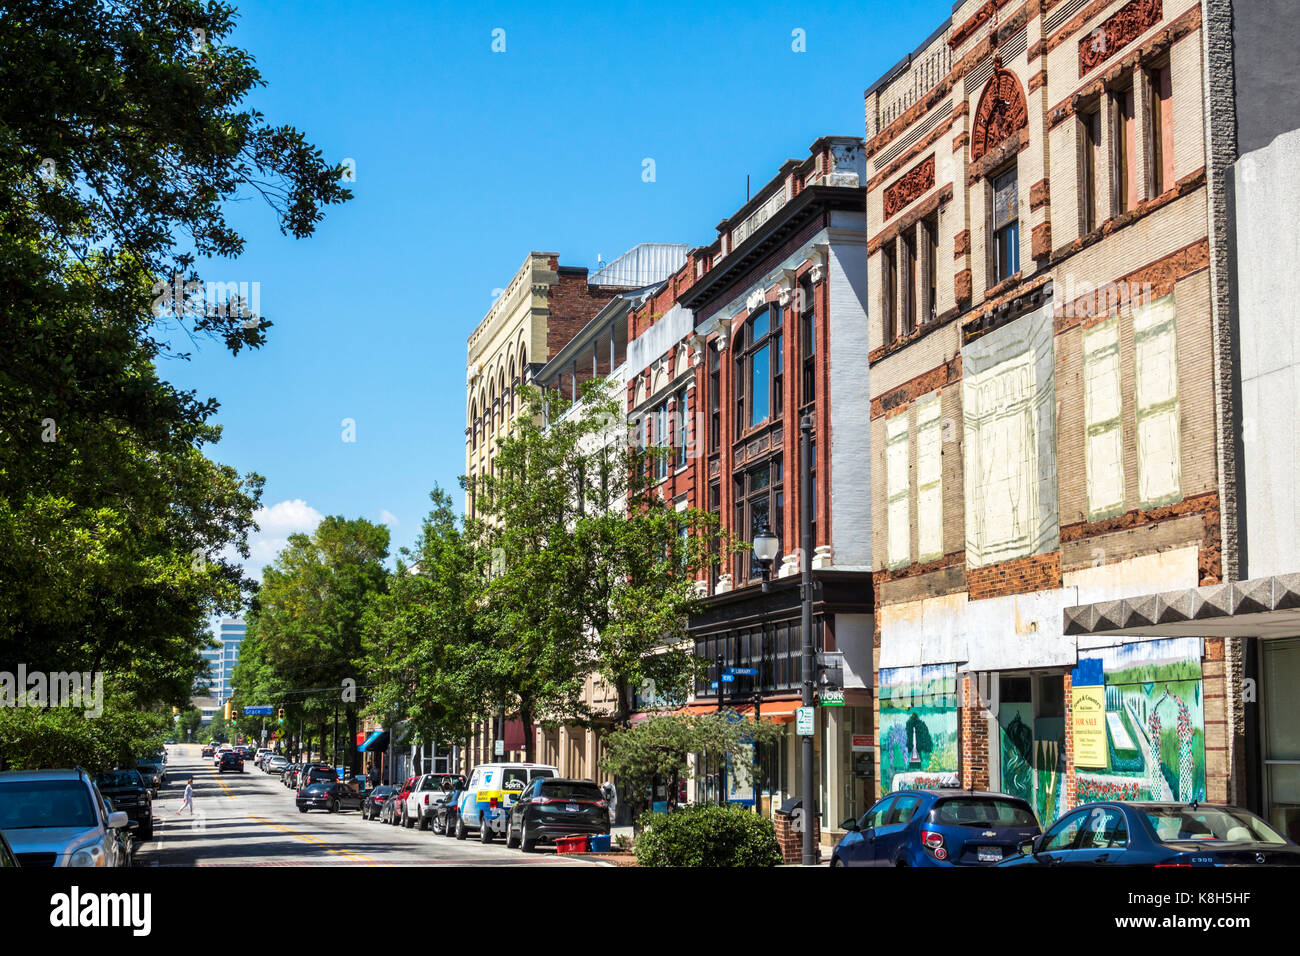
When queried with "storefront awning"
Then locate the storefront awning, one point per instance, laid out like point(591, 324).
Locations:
point(375, 742)
point(1260, 607)
point(780, 711)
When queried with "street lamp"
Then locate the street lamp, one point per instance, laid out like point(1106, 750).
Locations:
point(766, 546)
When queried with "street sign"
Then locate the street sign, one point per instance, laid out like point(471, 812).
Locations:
point(805, 720)
point(832, 698)
point(713, 686)
point(500, 748)
point(258, 711)
point(743, 671)
point(728, 678)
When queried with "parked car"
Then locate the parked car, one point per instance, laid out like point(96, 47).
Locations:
point(448, 812)
point(287, 775)
point(450, 786)
point(492, 788)
point(373, 805)
point(59, 818)
point(231, 760)
point(937, 828)
point(130, 794)
point(1158, 834)
point(317, 773)
point(153, 773)
point(398, 801)
point(552, 807)
point(259, 758)
point(328, 796)
point(7, 857)
point(248, 752)
point(429, 793)
point(274, 763)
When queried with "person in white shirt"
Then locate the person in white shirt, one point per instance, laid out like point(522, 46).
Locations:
point(188, 800)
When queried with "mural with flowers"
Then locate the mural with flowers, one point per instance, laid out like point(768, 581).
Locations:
point(918, 721)
point(1155, 724)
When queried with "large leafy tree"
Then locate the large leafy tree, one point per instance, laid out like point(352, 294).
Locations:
point(426, 649)
point(123, 136)
point(308, 616)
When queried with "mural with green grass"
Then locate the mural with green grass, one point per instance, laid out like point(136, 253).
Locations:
point(918, 720)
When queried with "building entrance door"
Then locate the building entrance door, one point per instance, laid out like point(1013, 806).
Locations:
point(1280, 673)
point(1031, 741)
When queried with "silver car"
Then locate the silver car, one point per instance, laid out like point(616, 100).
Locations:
point(59, 818)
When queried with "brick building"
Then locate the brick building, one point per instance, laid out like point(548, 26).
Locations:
point(1045, 423)
point(762, 325)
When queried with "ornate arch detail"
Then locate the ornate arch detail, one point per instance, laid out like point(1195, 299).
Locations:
point(1000, 113)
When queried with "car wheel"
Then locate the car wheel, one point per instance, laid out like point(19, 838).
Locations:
point(423, 823)
point(836, 861)
point(407, 822)
point(511, 840)
point(527, 844)
point(460, 829)
point(302, 809)
point(436, 826)
point(484, 830)
point(334, 807)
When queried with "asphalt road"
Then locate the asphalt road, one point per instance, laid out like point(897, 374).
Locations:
point(250, 819)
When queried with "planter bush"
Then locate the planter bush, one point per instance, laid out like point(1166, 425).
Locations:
point(707, 836)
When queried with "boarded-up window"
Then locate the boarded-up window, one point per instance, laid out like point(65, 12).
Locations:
point(1155, 355)
point(929, 480)
point(897, 491)
point(1102, 403)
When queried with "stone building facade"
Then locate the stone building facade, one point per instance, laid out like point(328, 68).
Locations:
point(1044, 417)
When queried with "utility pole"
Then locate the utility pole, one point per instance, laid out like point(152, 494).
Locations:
point(806, 625)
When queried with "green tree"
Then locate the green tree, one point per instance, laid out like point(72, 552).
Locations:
point(423, 639)
point(122, 138)
point(307, 617)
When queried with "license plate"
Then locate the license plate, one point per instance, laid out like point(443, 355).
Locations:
point(571, 807)
point(989, 854)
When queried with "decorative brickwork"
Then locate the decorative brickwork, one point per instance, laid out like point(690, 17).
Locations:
point(1038, 572)
point(1132, 20)
point(961, 284)
point(1040, 241)
point(1040, 194)
point(961, 244)
point(1001, 112)
point(914, 183)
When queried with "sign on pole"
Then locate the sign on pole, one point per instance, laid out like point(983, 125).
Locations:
point(259, 710)
point(743, 671)
point(805, 721)
point(832, 698)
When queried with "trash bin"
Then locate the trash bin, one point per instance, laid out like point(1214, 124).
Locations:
point(571, 844)
point(600, 843)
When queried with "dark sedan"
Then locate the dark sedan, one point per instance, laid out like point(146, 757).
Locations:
point(937, 828)
point(231, 760)
point(151, 769)
point(373, 805)
point(328, 796)
point(130, 794)
point(1159, 834)
point(552, 807)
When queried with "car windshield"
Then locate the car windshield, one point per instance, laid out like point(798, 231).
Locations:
point(1225, 824)
point(42, 804)
point(982, 812)
point(384, 791)
point(117, 779)
point(563, 790)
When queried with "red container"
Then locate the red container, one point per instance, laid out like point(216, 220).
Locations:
point(571, 844)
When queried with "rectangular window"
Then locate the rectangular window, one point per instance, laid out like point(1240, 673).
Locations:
point(808, 345)
point(1161, 129)
point(1006, 226)
point(929, 480)
point(889, 292)
point(930, 261)
point(1155, 355)
point(1102, 404)
point(1125, 155)
point(715, 397)
point(1091, 193)
point(909, 283)
point(778, 363)
point(662, 441)
point(897, 492)
point(759, 502)
point(682, 429)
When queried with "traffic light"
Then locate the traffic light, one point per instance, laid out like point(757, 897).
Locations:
point(176, 711)
point(236, 713)
point(227, 711)
point(282, 715)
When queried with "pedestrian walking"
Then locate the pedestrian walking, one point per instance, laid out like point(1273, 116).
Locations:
point(188, 800)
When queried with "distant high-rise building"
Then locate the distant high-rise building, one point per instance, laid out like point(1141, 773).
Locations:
point(230, 634)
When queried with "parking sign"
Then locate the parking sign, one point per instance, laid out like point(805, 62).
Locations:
point(804, 721)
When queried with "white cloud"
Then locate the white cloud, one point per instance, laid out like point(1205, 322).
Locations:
point(275, 524)
point(388, 518)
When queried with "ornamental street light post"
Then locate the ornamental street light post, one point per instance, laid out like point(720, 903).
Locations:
point(805, 625)
point(766, 548)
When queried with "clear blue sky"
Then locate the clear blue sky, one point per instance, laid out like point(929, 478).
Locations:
point(466, 159)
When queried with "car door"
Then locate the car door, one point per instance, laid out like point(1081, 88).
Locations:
point(892, 831)
point(858, 849)
point(1103, 840)
point(520, 806)
point(1060, 843)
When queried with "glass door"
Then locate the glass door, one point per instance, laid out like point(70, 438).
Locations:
point(1280, 675)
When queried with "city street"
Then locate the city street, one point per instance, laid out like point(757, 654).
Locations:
point(250, 819)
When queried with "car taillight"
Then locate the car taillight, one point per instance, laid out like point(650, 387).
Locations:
point(932, 840)
point(545, 800)
point(426, 799)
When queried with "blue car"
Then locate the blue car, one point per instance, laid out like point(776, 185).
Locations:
point(937, 828)
point(1159, 834)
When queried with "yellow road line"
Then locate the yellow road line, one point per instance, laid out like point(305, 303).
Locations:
point(221, 783)
point(308, 838)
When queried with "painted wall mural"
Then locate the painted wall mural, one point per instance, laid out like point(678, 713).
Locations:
point(1155, 723)
point(1032, 760)
point(918, 721)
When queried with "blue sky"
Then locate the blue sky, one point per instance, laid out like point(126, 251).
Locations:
point(465, 160)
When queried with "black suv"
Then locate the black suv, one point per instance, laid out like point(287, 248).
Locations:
point(552, 807)
point(153, 772)
point(231, 760)
point(130, 794)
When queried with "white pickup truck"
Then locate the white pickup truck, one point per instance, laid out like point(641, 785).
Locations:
point(428, 795)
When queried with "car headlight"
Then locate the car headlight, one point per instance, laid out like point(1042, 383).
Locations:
point(91, 854)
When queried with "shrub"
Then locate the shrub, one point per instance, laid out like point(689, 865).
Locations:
point(707, 836)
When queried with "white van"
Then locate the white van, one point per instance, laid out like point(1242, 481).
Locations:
point(492, 788)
